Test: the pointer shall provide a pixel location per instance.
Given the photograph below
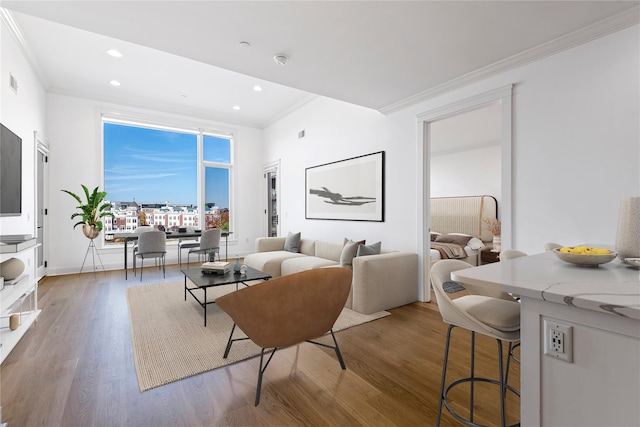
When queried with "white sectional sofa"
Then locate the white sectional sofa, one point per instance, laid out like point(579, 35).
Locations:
point(380, 282)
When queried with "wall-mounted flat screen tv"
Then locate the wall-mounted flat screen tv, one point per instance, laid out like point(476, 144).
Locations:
point(10, 173)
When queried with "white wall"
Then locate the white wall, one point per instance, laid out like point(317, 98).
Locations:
point(466, 173)
point(576, 149)
point(336, 131)
point(74, 130)
point(23, 113)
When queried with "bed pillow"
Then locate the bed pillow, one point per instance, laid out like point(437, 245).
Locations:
point(475, 243)
point(458, 239)
point(364, 250)
point(292, 242)
point(434, 235)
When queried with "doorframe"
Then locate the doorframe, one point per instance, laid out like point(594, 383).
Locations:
point(269, 168)
point(503, 94)
point(41, 148)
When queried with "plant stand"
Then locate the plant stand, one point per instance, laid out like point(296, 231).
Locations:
point(94, 253)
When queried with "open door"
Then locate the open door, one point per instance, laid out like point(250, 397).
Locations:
point(42, 155)
point(272, 206)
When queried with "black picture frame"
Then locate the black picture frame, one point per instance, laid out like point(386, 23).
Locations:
point(349, 190)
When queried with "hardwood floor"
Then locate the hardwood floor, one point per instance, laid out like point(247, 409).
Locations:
point(74, 367)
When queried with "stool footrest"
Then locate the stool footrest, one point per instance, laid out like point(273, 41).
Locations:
point(459, 417)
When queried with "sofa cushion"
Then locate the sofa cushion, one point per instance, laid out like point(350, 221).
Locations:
point(292, 242)
point(308, 247)
point(270, 262)
point(369, 249)
point(298, 264)
point(328, 250)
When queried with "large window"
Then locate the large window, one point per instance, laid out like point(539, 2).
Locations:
point(166, 177)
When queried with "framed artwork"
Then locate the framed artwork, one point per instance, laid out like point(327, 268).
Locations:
point(350, 189)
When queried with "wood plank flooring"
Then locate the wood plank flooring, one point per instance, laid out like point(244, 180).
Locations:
point(74, 367)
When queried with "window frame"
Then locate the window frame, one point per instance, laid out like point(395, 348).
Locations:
point(172, 125)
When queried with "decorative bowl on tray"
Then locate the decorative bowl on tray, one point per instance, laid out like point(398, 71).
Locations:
point(587, 259)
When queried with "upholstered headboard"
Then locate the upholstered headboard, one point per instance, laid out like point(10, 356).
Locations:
point(463, 215)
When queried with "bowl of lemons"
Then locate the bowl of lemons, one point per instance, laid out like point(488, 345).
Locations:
point(585, 255)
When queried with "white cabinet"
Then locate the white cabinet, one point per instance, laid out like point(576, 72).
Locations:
point(18, 300)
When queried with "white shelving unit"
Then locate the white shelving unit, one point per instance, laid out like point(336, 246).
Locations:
point(20, 298)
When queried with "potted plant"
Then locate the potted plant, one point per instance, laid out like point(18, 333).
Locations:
point(92, 211)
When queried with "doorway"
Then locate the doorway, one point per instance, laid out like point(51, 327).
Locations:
point(272, 206)
point(503, 95)
point(42, 155)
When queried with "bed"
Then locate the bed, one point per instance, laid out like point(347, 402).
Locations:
point(454, 219)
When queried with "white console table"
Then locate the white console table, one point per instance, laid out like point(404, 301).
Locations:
point(601, 385)
point(20, 298)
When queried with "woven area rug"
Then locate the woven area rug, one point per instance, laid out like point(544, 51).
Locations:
point(170, 341)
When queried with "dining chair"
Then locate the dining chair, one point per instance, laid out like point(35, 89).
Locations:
point(188, 243)
point(209, 245)
point(494, 317)
point(151, 244)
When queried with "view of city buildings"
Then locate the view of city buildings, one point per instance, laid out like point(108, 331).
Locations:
point(128, 216)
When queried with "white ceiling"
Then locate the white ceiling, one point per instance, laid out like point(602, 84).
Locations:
point(185, 56)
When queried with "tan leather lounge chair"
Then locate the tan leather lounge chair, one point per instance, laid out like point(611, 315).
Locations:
point(288, 310)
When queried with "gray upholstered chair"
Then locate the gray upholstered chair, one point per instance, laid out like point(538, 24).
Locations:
point(188, 243)
point(209, 245)
point(151, 244)
point(288, 310)
point(494, 317)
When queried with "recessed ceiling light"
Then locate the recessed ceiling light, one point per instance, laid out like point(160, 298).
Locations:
point(114, 83)
point(115, 53)
point(257, 88)
point(236, 107)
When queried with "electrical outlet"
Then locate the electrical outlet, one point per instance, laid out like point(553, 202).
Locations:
point(558, 340)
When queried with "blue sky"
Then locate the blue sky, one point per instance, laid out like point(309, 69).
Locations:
point(156, 166)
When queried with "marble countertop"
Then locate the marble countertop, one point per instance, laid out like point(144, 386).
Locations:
point(612, 288)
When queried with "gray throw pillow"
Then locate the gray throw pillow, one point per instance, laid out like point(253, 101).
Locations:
point(292, 242)
point(369, 249)
point(348, 253)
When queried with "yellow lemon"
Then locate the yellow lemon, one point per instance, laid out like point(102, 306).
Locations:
point(565, 250)
point(600, 251)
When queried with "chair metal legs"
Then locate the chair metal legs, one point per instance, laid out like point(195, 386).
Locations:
point(263, 368)
point(162, 262)
point(472, 379)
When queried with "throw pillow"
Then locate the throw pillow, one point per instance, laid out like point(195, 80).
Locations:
point(361, 242)
point(369, 249)
point(453, 238)
point(349, 251)
point(434, 235)
point(292, 242)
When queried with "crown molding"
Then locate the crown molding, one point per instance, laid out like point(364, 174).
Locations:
point(586, 34)
point(23, 44)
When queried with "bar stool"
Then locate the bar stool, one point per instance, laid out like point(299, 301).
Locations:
point(494, 317)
